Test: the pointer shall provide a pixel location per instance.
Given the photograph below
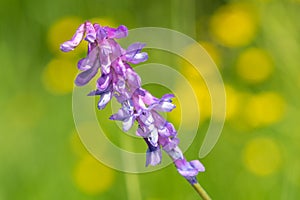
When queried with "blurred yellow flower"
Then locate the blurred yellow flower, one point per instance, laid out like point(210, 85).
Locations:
point(92, 177)
point(264, 109)
point(59, 75)
point(200, 92)
point(262, 156)
point(233, 102)
point(254, 65)
point(234, 25)
point(212, 51)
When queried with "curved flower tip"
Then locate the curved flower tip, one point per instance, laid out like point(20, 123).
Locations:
point(75, 41)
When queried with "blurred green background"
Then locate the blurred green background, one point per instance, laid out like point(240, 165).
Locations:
point(256, 45)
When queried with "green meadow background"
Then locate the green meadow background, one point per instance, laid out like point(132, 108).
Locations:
point(256, 46)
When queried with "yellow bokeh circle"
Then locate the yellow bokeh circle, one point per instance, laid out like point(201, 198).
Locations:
point(59, 75)
point(213, 52)
point(92, 177)
point(264, 109)
point(254, 65)
point(262, 156)
point(233, 101)
point(234, 25)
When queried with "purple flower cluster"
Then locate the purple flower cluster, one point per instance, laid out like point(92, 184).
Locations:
point(118, 79)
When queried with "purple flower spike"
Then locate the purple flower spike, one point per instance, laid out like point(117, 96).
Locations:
point(118, 79)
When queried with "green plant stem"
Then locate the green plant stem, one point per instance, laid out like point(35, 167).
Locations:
point(203, 194)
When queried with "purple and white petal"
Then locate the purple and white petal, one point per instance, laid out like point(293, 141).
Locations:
point(104, 99)
point(164, 106)
point(153, 137)
point(146, 118)
point(153, 157)
point(128, 123)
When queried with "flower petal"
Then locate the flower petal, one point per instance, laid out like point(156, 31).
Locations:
point(90, 32)
point(153, 157)
point(117, 33)
point(103, 82)
point(76, 39)
point(128, 123)
point(134, 55)
point(84, 77)
point(104, 99)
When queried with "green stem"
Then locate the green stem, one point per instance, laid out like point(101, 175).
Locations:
point(203, 194)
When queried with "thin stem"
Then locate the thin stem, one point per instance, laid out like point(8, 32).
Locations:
point(203, 194)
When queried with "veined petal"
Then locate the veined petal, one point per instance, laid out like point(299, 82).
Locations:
point(76, 39)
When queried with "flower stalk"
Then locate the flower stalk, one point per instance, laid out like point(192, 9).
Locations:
point(200, 190)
